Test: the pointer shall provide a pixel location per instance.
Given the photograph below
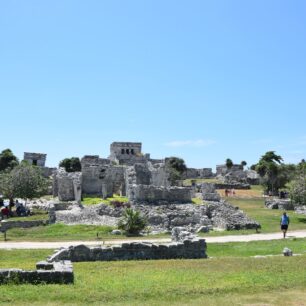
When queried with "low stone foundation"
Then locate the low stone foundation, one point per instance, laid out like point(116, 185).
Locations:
point(242, 186)
point(284, 204)
point(187, 249)
point(47, 273)
point(6, 224)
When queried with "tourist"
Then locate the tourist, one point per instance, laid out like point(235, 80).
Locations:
point(5, 212)
point(1, 201)
point(226, 192)
point(284, 223)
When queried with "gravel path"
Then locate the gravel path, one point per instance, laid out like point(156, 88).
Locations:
point(220, 239)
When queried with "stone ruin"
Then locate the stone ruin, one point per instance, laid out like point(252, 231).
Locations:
point(145, 182)
point(39, 159)
point(236, 175)
point(127, 172)
point(60, 272)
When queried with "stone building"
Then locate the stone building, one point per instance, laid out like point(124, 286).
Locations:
point(39, 159)
point(127, 172)
point(35, 159)
point(223, 170)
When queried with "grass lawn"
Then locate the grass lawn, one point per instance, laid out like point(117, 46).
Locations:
point(61, 232)
point(187, 182)
point(216, 281)
point(94, 200)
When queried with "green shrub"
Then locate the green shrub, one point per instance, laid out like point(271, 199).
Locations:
point(132, 222)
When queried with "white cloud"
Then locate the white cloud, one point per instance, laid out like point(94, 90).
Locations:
point(191, 143)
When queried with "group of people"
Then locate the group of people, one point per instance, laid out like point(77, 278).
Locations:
point(6, 208)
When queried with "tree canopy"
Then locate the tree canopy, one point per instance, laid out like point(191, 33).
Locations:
point(24, 181)
point(229, 163)
point(273, 173)
point(7, 160)
point(72, 164)
point(176, 167)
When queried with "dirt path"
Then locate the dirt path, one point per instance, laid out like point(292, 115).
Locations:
point(219, 239)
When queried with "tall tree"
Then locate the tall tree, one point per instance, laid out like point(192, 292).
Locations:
point(24, 181)
point(72, 164)
point(7, 160)
point(269, 170)
point(176, 167)
point(229, 163)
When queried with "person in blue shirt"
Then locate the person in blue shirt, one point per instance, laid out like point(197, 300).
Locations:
point(284, 223)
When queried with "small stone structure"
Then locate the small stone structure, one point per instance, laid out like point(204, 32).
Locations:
point(209, 192)
point(188, 249)
point(284, 204)
point(60, 272)
point(287, 252)
point(35, 159)
point(193, 173)
point(39, 159)
point(7, 224)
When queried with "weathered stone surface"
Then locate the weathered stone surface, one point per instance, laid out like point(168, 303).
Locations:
point(287, 252)
point(284, 204)
point(300, 209)
point(163, 217)
point(226, 216)
point(69, 185)
point(181, 234)
point(7, 224)
point(195, 248)
point(47, 273)
point(154, 194)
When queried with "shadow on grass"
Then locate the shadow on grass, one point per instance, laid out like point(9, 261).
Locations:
point(302, 220)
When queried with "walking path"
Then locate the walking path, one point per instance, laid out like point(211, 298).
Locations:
point(219, 239)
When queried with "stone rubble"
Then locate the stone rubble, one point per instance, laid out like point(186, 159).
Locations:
point(164, 217)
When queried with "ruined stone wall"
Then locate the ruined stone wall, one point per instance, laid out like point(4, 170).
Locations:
point(69, 185)
point(6, 225)
point(154, 194)
point(134, 251)
point(192, 173)
point(159, 175)
point(94, 171)
point(46, 273)
point(222, 169)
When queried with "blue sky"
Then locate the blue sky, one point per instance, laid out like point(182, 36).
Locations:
point(202, 80)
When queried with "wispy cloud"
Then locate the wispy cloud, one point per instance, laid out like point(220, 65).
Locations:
point(191, 143)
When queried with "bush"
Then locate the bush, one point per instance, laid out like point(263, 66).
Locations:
point(132, 222)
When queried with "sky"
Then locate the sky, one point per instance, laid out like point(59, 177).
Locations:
point(201, 80)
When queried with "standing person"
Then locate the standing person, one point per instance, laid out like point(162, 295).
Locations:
point(284, 223)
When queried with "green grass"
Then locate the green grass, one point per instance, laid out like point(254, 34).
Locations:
point(197, 201)
point(253, 248)
point(268, 218)
point(44, 216)
point(213, 281)
point(187, 182)
point(60, 232)
point(94, 200)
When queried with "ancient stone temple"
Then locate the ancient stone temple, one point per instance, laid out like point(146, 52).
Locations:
point(38, 159)
point(35, 159)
